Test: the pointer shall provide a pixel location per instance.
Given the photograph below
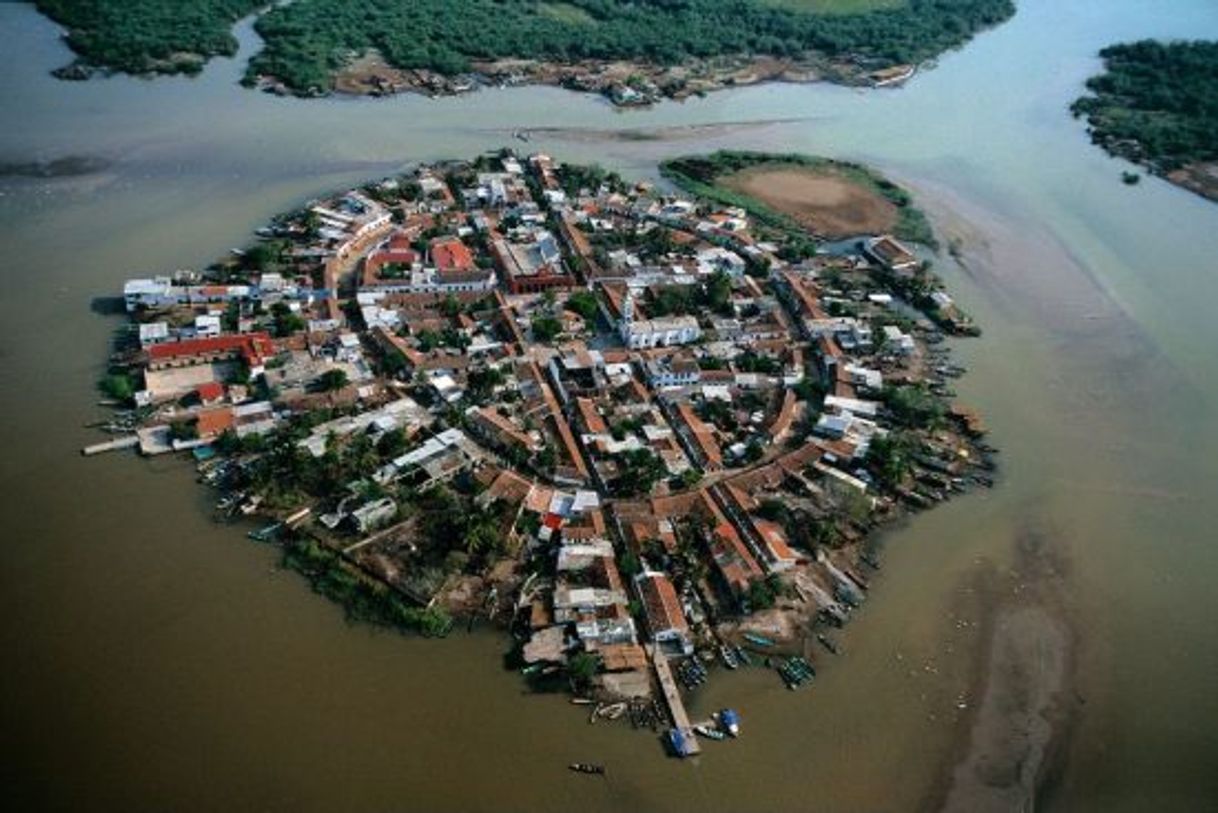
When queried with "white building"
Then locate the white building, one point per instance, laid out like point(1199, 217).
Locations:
point(663, 332)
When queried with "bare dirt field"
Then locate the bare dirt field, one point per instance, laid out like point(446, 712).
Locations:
point(822, 200)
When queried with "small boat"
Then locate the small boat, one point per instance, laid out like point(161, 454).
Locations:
point(827, 643)
point(709, 733)
point(759, 640)
point(587, 767)
point(612, 711)
point(729, 657)
point(266, 534)
point(730, 720)
point(743, 656)
point(679, 745)
point(580, 701)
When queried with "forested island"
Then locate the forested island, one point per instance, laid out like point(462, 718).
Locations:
point(451, 45)
point(1157, 104)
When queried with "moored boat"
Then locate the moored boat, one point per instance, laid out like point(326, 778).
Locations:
point(730, 721)
point(728, 656)
point(759, 640)
point(708, 732)
point(587, 767)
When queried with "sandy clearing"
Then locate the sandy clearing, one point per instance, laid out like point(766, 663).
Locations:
point(828, 204)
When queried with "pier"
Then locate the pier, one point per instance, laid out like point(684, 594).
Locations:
point(126, 442)
point(672, 696)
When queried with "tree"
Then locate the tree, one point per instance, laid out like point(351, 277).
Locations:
point(581, 668)
point(285, 323)
point(890, 457)
point(584, 303)
point(545, 328)
point(118, 386)
point(332, 380)
point(392, 443)
point(640, 470)
point(719, 292)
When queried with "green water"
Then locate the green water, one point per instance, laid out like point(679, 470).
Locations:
point(158, 661)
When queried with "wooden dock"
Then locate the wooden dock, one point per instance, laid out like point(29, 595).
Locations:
point(672, 696)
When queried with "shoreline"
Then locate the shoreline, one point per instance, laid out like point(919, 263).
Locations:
point(624, 83)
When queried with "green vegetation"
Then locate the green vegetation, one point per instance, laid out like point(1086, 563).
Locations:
point(582, 667)
point(308, 40)
point(914, 406)
point(546, 327)
point(583, 303)
point(699, 175)
point(284, 322)
point(834, 6)
point(118, 386)
point(1156, 104)
point(640, 470)
point(332, 380)
point(142, 36)
point(363, 598)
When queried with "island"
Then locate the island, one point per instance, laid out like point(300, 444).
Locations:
point(1156, 104)
point(632, 51)
point(642, 429)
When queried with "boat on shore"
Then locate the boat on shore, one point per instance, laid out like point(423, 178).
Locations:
point(759, 640)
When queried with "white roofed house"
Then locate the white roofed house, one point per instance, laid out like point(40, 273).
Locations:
point(897, 341)
point(207, 326)
point(153, 333)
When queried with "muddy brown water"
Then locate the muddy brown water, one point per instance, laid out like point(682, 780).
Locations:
point(155, 660)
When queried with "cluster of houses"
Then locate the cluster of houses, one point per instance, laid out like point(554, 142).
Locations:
point(651, 390)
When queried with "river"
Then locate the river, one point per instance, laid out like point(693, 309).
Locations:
point(156, 660)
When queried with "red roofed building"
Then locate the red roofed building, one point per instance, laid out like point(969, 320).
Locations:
point(450, 254)
point(210, 393)
point(210, 423)
point(665, 619)
point(253, 348)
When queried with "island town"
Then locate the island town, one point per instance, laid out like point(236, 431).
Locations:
point(649, 432)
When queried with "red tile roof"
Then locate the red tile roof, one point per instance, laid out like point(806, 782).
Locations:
point(212, 422)
point(661, 603)
point(451, 255)
point(210, 391)
point(252, 346)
